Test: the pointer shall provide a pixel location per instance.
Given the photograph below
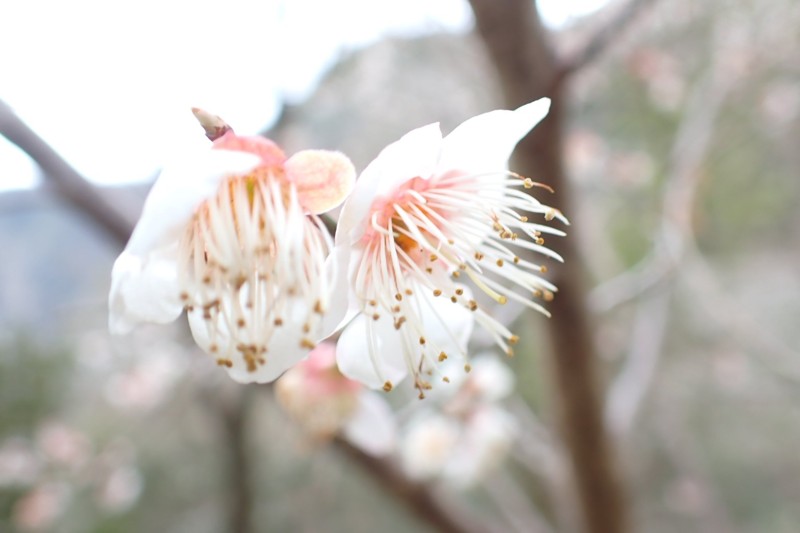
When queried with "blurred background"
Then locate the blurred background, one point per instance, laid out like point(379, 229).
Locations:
point(680, 127)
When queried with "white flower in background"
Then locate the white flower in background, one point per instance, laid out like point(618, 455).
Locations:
point(428, 212)
point(427, 445)
point(232, 236)
point(470, 436)
point(325, 403)
point(485, 441)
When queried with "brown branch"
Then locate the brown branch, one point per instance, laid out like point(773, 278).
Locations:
point(418, 496)
point(68, 183)
point(601, 40)
point(233, 416)
point(516, 42)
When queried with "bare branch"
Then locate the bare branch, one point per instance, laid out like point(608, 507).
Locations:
point(419, 497)
point(519, 48)
point(509, 498)
point(602, 39)
point(644, 350)
point(68, 183)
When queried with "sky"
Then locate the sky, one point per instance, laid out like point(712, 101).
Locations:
point(109, 84)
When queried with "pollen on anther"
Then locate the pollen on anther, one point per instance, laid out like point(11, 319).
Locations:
point(478, 256)
point(241, 323)
point(442, 356)
point(433, 257)
point(459, 291)
point(446, 379)
point(409, 292)
point(318, 307)
point(422, 341)
point(388, 386)
point(437, 292)
point(468, 368)
point(398, 297)
point(453, 299)
point(375, 316)
point(543, 269)
point(500, 262)
point(307, 343)
point(516, 260)
point(513, 339)
point(213, 348)
point(278, 321)
point(473, 305)
point(184, 296)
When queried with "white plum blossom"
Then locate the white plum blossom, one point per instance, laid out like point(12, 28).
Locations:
point(326, 403)
point(427, 213)
point(471, 433)
point(232, 236)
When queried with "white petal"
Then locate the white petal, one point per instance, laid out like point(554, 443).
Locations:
point(372, 427)
point(427, 445)
point(491, 377)
point(353, 354)
point(283, 352)
point(446, 323)
point(143, 290)
point(484, 444)
point(342, 304)
point(485, 142)
point(178, 191)
point(414, 155)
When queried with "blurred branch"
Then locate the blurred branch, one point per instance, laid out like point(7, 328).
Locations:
point(602, 39)
point(419, 497)
point(541, 456)
point(68, 183)
point(233, 416)
point(509, 498)
point(689, 148)
point(517, 43)
point(644, 350)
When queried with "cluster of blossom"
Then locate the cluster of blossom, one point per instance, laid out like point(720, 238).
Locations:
point(234, 236)
point(60, 466)
point(460, 436)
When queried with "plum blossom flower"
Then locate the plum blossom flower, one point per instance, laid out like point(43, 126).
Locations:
point(232, 236)
point(326, 403)
point(469, 436)
point(427, 213)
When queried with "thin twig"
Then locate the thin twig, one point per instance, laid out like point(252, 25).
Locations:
point(689, 148)
point(233, 417)
point(69, 184)
point(601, 40)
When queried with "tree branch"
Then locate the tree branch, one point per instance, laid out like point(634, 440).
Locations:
point(68, 183)
point(419, 497)
point(602, 39)
point(516, 41)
